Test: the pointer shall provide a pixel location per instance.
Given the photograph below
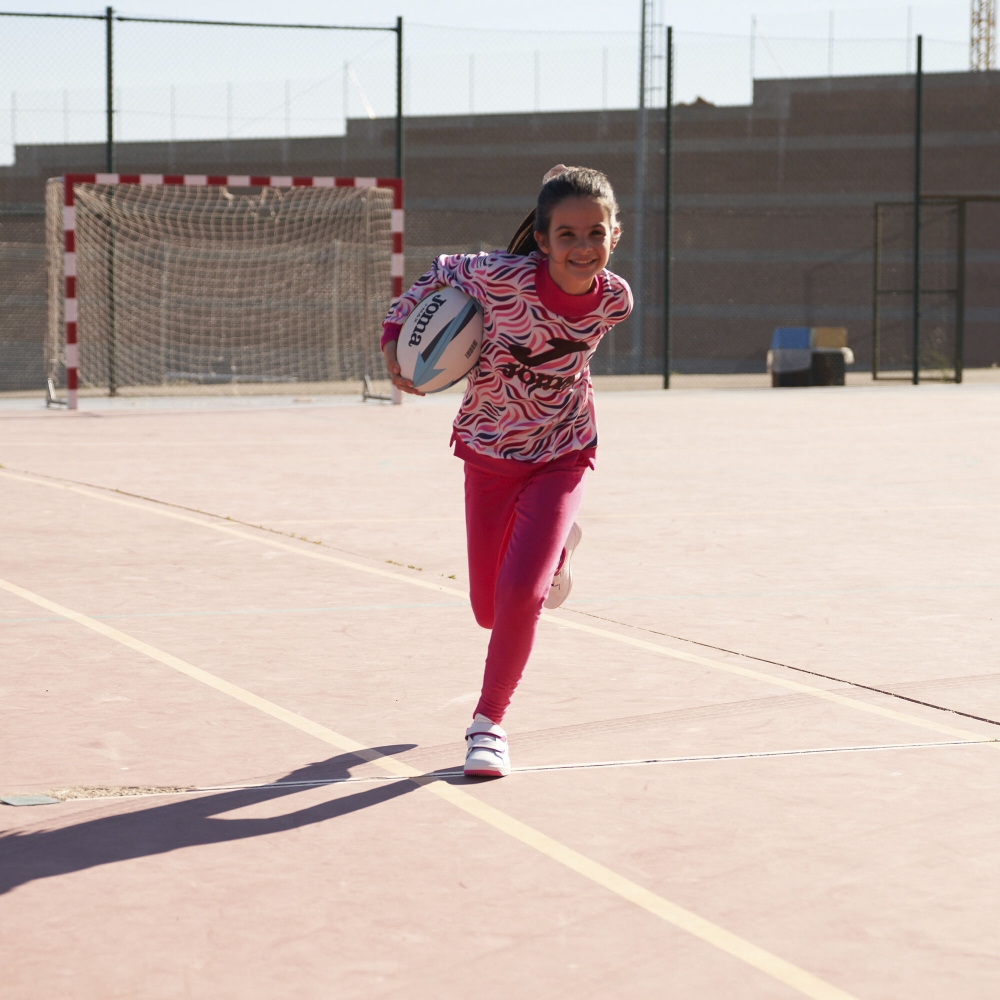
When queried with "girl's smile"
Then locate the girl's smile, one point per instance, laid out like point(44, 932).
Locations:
point(578, 244)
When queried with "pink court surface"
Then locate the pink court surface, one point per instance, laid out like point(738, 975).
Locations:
point(753, 753)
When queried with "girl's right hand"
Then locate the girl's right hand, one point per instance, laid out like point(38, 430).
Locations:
point(403, 384)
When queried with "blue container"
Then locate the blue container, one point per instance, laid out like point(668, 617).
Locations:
point(792, 338)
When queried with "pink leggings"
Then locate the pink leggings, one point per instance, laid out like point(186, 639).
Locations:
point(516, 526)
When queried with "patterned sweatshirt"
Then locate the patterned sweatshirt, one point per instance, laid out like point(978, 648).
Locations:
point(530, 398)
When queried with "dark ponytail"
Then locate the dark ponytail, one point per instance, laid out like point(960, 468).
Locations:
point(523, 241)
point(573, 182)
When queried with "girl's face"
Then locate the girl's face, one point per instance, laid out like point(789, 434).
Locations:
point(578, 244)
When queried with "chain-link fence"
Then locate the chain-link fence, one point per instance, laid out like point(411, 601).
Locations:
point(773, 207)
point(22, 296)
point(782, 148)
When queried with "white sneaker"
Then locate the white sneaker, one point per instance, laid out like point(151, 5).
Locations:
point(562, 582)
point(487, 756)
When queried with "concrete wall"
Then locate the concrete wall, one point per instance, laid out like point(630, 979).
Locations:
point(773, 201)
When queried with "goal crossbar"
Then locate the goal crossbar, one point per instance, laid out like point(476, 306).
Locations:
point(201, 180)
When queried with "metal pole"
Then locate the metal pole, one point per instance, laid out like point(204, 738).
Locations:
point(109, 164)
point(395, 395)
point(109, 151)
point(917, 149)
point(638, 325)
point(399, 97)
point(876, 292)
point(960, 294)
point(668, 199)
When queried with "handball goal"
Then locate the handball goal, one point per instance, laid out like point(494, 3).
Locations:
point(159, 279)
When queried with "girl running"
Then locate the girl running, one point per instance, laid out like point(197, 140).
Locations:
point(526, 428)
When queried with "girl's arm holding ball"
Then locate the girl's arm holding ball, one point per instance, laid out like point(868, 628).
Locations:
point(461, 271)
point(392, 366)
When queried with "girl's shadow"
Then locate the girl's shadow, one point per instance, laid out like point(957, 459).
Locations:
point(186, 822)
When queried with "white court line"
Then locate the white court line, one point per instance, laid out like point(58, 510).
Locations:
point(751, 755)
point(705, 930)
point(581, 765)
point(307, 550)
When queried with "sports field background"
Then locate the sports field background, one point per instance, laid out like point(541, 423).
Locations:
point(754, 753)
point(786, 133)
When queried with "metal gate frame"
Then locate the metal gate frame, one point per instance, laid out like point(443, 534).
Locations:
point(960, 201)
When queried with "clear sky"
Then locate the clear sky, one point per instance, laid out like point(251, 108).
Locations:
point(779, 17)
point(511, 55)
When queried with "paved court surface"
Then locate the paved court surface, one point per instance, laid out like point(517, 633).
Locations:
point(785, 600)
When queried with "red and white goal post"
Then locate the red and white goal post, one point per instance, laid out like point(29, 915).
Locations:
point(160, 183)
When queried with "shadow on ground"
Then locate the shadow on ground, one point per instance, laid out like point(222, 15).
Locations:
point(188, 822)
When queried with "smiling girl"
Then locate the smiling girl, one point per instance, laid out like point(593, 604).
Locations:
point(526, 428)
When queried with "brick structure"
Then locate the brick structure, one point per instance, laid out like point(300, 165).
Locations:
point(773, 201)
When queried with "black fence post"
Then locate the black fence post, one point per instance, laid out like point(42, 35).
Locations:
point(637, 322)
point(668, 198)
point(960, 294)
point(109, 165)
point(917, 150)
point(876, 292)
point(109, 150)
point(399, 97)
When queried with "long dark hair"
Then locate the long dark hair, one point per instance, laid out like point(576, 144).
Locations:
point(573, 182)
point(523, 241)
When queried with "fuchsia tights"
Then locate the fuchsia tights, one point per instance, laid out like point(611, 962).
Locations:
point(516, 526)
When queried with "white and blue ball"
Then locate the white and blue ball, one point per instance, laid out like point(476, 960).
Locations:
point(440, 340)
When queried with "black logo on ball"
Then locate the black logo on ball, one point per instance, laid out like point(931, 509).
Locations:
point(423, 320)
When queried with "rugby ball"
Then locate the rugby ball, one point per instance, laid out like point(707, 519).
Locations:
point(440, 340)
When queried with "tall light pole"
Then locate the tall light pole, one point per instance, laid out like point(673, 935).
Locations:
point(983, 35)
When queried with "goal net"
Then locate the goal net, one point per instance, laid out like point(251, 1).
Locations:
point(232, 280)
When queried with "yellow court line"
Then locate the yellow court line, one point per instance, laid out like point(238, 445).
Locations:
point(301, 549)
point(759, 958)
point(154, 508)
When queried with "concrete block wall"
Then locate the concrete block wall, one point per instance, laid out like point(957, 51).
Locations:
point(773, 201)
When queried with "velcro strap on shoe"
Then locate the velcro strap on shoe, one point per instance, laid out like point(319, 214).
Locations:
point(486, 741)
point(485, 729)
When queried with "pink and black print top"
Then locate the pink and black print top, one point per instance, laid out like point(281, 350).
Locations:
point(530, 397)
